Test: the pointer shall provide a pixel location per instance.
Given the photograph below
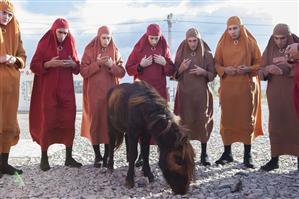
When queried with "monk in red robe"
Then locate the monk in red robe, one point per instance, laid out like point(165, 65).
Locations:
point(53, 108)
point(12, 58)
point(101, 69)
point(151, 61)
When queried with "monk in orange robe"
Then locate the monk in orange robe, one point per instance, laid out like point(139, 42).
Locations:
point(12, 58)
point(237, 60)
point(101, 69)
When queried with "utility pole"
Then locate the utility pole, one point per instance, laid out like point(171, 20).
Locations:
point(169, 23)
point(171, 87)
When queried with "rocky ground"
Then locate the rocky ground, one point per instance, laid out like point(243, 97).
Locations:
point(229, 181)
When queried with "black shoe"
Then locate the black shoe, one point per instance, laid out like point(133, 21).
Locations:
point(44, 164)
point(204, 160)
point(71, 162)
point(271, 165)
point(224, 159)
point(10, 170)
point(248, 162)
point(6, 168)
point(1, 174)
point(97, 162)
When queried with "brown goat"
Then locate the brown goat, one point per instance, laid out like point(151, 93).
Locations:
point(138, 111)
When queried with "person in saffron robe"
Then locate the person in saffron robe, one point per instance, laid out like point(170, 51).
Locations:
point(194, 102)
point(101, 68)
point(283, 121)
point(12, 58)
point(53, 107)
point(151, 61)
point(237, 60)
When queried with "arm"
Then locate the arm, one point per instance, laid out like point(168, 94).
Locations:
point(88, 67)
point(262, 73)
point(37, 62)
point(20, 55)
point(218, 59)
point(118, 69)
point(169, 67)
point(256, 59)
point(132, 66)
point(211, 71)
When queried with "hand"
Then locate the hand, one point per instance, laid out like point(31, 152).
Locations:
point(69, 63)
point(159, 59)
point(198, 71)
point(54, 62)
point(292, 51)
point(101, 61)
point(242, 70)
point(282, 61)
point(184, 65)
point(109, 63)
point(274, 70)
point(8, 59)
point(146, 61)
point(230, 70)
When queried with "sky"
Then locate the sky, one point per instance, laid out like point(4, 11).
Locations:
point(129, 19)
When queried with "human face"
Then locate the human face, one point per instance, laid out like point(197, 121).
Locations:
point(105, 39)
point(153, 40)
point(280, 41)
point(61, 34)
point(234, 31)
point(192, 43)
point(5, 17)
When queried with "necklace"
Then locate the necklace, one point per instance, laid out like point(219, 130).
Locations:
point(3, 30)
point(153, 48)
point(236, 42)
point(193, 54)
point(59, 48)
point(104, 49)
point(281, 50)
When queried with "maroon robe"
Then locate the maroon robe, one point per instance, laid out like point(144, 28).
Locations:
point(154, 74)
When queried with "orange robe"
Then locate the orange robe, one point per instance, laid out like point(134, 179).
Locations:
point(240, 95)
point(11, 44)
point(97, 82)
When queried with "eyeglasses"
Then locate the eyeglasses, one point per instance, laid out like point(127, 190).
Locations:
point(62, 32)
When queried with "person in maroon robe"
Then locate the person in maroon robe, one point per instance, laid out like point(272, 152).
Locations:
point(150, 61)
point(53, 107)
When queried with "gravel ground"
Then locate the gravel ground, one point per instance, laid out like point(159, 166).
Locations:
point(229, 181)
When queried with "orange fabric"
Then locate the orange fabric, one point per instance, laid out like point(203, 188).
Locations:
point(10, 44)
point(240, 95)
point(97, 82)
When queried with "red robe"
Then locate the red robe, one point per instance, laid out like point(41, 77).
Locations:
point(53, 108)
point(154, 74)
